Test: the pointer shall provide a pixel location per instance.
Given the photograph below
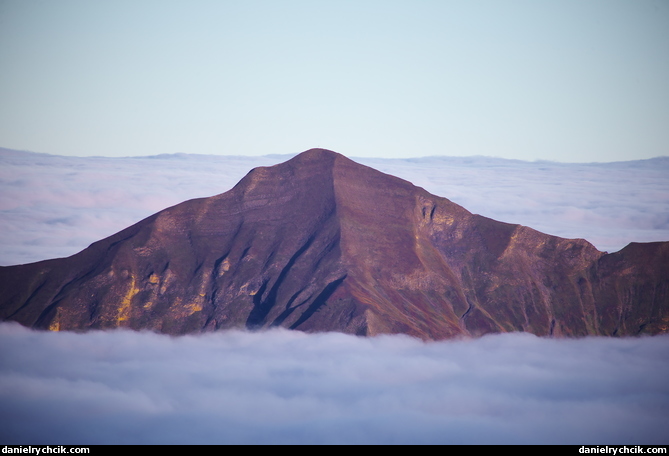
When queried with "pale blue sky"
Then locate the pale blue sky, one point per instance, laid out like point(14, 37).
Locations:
point(556, 80)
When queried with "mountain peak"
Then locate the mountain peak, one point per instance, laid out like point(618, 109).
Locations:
point(318, 153)
point(321, 243)
point(322, 157)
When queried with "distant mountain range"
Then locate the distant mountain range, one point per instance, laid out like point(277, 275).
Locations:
point(321, 243)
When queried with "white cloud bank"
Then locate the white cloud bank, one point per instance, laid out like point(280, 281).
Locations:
point(609, 204)
point(290, 387)
point(52, 206)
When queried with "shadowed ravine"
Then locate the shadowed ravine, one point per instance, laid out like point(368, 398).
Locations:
point(321, 243)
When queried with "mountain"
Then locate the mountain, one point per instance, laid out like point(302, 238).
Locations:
point(321, 243)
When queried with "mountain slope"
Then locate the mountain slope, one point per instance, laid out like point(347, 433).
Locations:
point(321, 243)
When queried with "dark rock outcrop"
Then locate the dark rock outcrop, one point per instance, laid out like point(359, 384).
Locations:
point(321, 243)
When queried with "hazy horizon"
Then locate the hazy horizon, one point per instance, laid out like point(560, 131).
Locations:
point(288, 155)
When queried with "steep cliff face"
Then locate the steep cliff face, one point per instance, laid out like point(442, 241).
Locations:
point(321, 243)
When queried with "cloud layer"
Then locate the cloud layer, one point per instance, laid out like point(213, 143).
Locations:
point(609, 204)
point(290, 387)
point(52, 206)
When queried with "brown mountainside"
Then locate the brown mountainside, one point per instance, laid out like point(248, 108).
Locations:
point(321, 243)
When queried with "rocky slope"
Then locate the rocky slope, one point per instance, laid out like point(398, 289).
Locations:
point(321, 243)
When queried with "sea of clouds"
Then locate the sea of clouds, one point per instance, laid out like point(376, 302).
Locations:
point(54, 206)
point(289, 387)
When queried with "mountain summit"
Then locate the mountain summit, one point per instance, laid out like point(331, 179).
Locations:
point(321, 243)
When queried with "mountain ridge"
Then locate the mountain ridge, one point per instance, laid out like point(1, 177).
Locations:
point(321, 243)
